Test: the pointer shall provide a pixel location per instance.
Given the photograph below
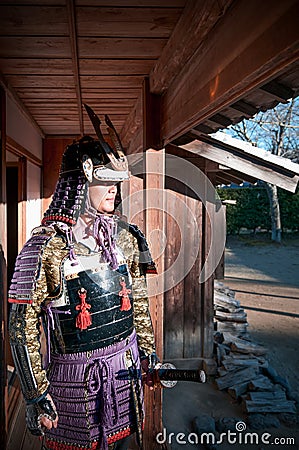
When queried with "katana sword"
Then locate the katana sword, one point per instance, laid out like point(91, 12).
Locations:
point(167, 375)
point(197, 376)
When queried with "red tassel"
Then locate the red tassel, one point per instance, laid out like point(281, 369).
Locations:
point(125, 304)
point(83, 320)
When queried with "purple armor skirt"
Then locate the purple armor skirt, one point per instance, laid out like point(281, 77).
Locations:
point(98, 396)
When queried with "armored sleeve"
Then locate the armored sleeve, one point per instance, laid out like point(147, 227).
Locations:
point(31, 285)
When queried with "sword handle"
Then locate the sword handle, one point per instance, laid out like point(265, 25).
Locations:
point(197, 376)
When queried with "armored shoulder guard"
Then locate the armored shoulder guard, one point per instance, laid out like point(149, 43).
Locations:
point(28, 265)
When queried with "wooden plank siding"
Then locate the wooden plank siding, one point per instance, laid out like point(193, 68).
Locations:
point(174, 305)
point(193, 312)
point(188, 305)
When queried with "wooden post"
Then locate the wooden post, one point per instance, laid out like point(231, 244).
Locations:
point(154, 227)
point(3, 275)
point(207, 286)
point(151, 118)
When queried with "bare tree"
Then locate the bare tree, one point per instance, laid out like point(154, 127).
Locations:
point(277, 131)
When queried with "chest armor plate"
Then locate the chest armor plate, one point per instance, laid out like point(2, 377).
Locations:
point(105, 321)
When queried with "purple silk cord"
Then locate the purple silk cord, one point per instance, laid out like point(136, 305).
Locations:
point(49, 310)
point(104, 229)
point(70, 242)
point(101, 382)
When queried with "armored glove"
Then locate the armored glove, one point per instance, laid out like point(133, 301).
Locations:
point(34, 413)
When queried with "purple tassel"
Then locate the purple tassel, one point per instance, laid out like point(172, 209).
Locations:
point(104, 230)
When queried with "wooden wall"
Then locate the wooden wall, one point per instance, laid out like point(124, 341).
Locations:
point(182, 303)
point(188, 305)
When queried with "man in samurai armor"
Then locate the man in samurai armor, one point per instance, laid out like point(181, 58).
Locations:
point(80, 330)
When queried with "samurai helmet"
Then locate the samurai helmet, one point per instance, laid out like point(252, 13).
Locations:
point(84, 162)
point(102, 162)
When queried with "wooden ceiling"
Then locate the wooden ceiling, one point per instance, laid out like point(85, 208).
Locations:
point(208, 63)
point(56, 54)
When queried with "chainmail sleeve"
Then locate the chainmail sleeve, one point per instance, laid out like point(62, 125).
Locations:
point(142, 319)
point(31, 285)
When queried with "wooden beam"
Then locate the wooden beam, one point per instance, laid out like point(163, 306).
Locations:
point(207, 283)
point(18, 150)
point(228, 178)
point(245, 108)
point(251, 45)
point(151, 117)
point(254, 166)
point(131, 134)
point(246, 150)
point(74, 51)
point(203, 128)
point(223, 176)
point(220, 119)
point(196, 21)
point(280, 92)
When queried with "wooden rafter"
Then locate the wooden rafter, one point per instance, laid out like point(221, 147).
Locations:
point(75, 63)
point(278, 91)
point(196, 21)
point(254, 163)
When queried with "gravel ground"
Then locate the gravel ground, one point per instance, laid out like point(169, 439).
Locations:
point(265, 278)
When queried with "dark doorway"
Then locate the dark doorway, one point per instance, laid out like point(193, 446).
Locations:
point(12, 219)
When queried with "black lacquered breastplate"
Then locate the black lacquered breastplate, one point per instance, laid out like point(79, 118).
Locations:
point(107, 322)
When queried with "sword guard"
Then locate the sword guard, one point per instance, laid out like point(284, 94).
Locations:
point(167, 383)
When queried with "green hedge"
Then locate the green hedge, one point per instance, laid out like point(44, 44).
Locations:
point(252, 209)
